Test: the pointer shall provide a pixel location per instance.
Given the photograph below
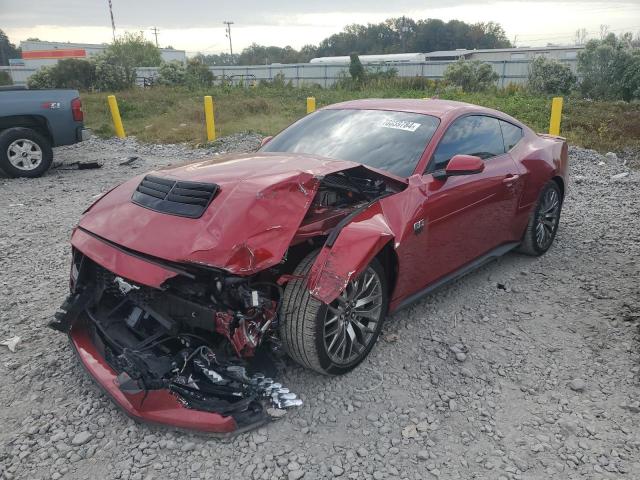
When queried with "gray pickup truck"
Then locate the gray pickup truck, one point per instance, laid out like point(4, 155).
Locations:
point(34, 121)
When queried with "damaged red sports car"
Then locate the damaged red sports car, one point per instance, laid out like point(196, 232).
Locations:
point(186, 282)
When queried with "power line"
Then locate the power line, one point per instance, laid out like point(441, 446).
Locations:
point(228, 24)
point(156, 31)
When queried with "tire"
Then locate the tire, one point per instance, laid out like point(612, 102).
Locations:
point(24, 153)
point(304, 320)
point(543, 221)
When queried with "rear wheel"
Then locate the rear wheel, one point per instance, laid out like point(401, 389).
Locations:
point(333, 338)
point(543, 222)
point(24, 153)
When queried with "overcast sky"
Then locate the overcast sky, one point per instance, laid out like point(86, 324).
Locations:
point(196, 25)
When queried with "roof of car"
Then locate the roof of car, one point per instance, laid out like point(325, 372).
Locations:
point(437, 108)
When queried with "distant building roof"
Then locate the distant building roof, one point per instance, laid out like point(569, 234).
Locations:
point(31, 45)
point(449, 53)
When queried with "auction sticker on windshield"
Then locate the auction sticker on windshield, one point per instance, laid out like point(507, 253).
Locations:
point(399, 125)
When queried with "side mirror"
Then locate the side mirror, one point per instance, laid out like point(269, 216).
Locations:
point(460, 165)
point(265, 140)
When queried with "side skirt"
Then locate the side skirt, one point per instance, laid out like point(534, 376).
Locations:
point(468, 268)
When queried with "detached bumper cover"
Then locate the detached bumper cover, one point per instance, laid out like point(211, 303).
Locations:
point(159, 406)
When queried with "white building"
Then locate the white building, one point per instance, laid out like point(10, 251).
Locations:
point(507, 54)
point(36, 54)
point(389, 58)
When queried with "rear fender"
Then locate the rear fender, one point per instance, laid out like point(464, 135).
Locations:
point(356, 246)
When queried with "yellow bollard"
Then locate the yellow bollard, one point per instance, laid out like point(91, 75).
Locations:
point(209, 118)
point(311, 104)
point(115, 115)
point(556, 116)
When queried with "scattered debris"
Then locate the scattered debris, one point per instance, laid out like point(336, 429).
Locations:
point(577, 385)
point(130, 160)
point(82, 166)
point(11, 343)
point(619, 176)
point(390, 337)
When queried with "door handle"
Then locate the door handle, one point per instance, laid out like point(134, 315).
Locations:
point(510, 179)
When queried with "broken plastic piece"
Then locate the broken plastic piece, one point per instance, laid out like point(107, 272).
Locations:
point(11, 343)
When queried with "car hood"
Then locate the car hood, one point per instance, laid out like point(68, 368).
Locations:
point(250, 223)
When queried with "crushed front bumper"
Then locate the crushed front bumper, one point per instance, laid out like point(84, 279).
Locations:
point(153, 406)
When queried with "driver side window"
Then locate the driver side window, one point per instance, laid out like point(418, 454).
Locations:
point(473, 135)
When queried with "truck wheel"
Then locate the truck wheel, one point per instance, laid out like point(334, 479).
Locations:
point(24, 153)
point(333, 339)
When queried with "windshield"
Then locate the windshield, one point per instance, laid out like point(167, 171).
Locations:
point(390, 141)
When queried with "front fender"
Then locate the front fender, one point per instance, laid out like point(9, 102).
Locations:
point(354, 248)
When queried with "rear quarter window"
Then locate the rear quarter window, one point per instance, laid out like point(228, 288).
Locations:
point(511, 134)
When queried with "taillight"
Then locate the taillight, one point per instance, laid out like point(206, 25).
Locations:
point(76, 110)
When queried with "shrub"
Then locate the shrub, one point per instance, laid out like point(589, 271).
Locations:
point(41, 79)
point(73, 73)
point(172, 74)
point(195, 75)
point(356, 70)
point(68, 73)
point(550, 76)
point(471, 76)
point(631, 78)
point(608, 69)
point(5, 78)
point(198, 74)
point(112, 74)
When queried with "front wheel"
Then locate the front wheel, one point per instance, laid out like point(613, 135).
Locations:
point(333, 338)
point(544, 221)
point(24, 153)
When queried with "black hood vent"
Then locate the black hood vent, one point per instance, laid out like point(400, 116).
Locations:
point(184, 199)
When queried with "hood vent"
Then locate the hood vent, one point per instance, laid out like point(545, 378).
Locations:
point(184, 199)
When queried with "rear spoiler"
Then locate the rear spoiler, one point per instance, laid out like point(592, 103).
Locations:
point(552, 137)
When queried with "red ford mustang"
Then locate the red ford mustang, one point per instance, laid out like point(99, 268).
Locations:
point(185, 281)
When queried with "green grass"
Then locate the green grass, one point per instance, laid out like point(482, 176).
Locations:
point(172, 115)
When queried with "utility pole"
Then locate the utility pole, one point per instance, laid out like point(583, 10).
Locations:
point(403, 34)
point(156, 32)
point(113, 24)
point(228, 29)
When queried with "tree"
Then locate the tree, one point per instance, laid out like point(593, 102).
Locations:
point(256, 54)
point(7, 49)
point(135, 50)
point(116, 67)
point(217, 59)
point(581, 36)
point(5, 78)
point(631, 78)
point(470, 75)
point(356, 70)
point(606, 66)
point(550, 76)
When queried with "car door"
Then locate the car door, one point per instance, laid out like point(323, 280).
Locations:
point(467, 216)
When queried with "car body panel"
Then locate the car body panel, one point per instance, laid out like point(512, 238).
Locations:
point(156, 406)
point(248, 226)
point(116, 260)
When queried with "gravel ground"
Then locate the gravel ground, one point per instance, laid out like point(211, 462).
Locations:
point(525, 369)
